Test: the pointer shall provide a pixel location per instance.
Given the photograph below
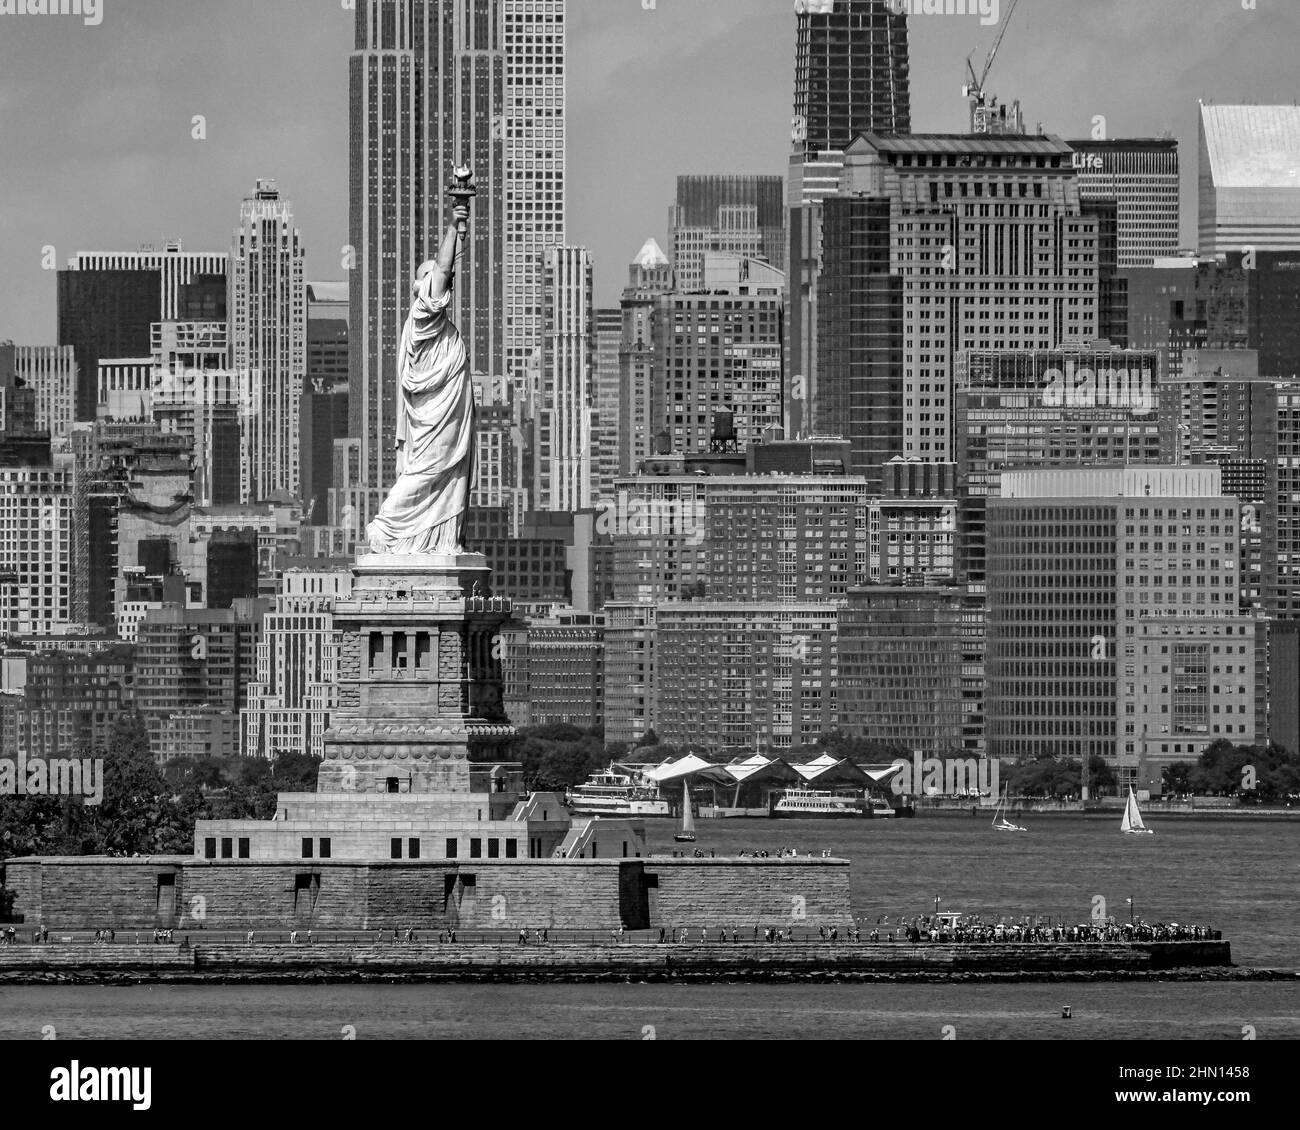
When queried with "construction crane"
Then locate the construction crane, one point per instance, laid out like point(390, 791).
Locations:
point(986, 116)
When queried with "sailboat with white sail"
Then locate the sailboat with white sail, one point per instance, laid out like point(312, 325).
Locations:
point(686, 833)
point(1132, 822)
point(1000, 821)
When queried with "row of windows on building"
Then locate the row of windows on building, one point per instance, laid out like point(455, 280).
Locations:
point(231, 847)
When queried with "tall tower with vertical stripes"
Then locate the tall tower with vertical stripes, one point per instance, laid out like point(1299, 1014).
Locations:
point(435, 83)
point(267, 310)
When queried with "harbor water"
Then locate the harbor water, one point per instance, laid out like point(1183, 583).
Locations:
point(1238, 876)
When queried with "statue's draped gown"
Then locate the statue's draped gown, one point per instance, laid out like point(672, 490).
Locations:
point(425, 511)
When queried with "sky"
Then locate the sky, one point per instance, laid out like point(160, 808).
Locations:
point(96, 121)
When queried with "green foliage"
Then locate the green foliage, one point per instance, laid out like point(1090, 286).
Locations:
point(559, 756)
point(147, 810)
point(842, 745)
point(1059, 778)
point(1227, 770)
point(1177, 778)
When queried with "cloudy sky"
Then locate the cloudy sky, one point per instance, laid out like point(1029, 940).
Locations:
point(95, 121)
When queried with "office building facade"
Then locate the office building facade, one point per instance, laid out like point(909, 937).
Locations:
point(1141, 176)
point(737, 677)
point(50, 371)
point(902, 650)
point(1248, 196)
point(1114, 627)
point(267, 308)
point(565, 403)
point(108, 302)
point(739, 215)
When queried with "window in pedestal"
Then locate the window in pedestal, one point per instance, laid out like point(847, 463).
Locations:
point(243, 847)
point(423, 651)
point(494, 848)
point(325, 848)
point(512, 849)
point(413, 848)
point(306, 847)
point(395, 848)
point(452, 845)
point(400, 658)
point(210, 848)
point(376, 649)
point(227, 848)
point(476, 849)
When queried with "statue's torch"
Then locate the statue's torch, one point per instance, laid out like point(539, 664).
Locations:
point(462, 191)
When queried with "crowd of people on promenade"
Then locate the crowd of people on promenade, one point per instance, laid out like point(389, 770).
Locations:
point(937, 929)
point(975, 930)
point(760, 853)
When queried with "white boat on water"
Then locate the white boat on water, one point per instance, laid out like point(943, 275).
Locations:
point(615, 793)
point(814, 803)
point(1000, 822)
point(1132, 822)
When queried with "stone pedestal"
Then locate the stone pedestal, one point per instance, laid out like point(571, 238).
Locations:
point(419, 675)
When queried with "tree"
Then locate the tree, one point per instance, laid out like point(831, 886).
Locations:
point(1177, 778)
point(1101, 776)
point(137, 815)
point(843, 745)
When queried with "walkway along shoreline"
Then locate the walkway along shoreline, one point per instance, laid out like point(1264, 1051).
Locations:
point(417, 962)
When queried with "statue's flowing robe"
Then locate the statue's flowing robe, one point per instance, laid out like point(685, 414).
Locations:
point(436, 417)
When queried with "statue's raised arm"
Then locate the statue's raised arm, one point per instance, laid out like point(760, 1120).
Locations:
point(436, 416)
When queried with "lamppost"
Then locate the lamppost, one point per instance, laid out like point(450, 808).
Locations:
point(937, 900)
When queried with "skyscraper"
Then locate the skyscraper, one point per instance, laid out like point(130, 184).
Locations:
point(267, 308)
point(851, 72)
point(1141, 176)
point(994, 250)
point(196, 395)
point(649, 276)
point(109, 301)
point(743, 215)
point(534, 133)
point(860, 335)
point(1105, 643)
point(51, 372)
point(324, 416)
point(36, 552)
point(1249, 190)
point(436, 83)
point(288, 705)
point(717, 356)
point(605, 438)
point(562, 454)
point(851, 78)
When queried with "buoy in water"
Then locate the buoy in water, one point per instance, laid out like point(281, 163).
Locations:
point(1066, 1012)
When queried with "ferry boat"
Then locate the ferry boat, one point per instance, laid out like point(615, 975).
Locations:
point(612, 793)
point(823, 805)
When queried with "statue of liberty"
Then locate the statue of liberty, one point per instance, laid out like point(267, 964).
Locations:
point(437, 451)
